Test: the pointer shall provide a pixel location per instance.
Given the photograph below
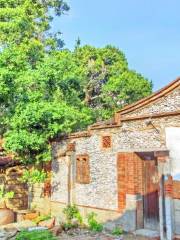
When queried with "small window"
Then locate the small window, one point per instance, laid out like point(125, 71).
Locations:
point(106, 142)
point(82, 169)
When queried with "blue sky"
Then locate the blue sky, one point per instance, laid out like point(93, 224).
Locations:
point(148, 32)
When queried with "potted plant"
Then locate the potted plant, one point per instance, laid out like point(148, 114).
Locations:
point(6, 214)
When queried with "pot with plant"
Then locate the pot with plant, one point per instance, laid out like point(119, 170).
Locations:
point(6, 214)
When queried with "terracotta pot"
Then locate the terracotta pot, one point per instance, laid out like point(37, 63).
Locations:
point(6, 216)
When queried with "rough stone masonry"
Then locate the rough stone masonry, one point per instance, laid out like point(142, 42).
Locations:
point(116, 155)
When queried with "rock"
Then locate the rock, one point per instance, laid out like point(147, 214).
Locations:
point(109, 226)
point(18, 226)
point(56, 230)
point(5, 235)
point(48, 223)
point(6, 216)
point(2, 235)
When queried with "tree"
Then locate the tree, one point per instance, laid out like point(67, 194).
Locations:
point(36, 103)
point(48, 104)
point(28, 20)
point(46, 91)
point(107, 82)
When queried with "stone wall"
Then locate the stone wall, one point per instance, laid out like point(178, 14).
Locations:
point(2, 178)
point(59, 180)
point(39, 201)
point(10, 178)
point(13, 183)
point(168, 103)
point(176, 204)
point(102, 190)
point(102, 194)
point(140, 136)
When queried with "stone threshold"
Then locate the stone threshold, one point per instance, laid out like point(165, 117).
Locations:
point(150, 234)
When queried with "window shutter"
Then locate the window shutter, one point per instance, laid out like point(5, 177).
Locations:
point(78, 170)
point(82, 169)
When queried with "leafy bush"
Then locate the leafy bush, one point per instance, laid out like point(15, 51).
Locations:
point(33, 176)
point(35, 235)
point(67, 226)
point(41, 218)
point(4, 194)
point(93, 223)
point(72, 213)
point(117, 231)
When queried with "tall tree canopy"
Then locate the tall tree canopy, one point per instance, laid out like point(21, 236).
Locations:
point(45, 90)
point(107, 82)
point(28, 20)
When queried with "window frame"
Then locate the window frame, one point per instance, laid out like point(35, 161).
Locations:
point(82, 177)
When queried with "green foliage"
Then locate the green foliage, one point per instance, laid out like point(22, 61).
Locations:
point(35, 235)
point(41, 218)
point(27, 20)
point(4, 195)
point(125, 89)
point(117, 231)
point(33, 176)
point(47, 92)
point(72, 213)
point(107, 82)
point(93, 223)
point(48, 104)
point(67, 226)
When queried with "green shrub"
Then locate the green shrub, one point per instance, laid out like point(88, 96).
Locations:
point(67, 226)
point(117, 231)
point(93, 223)
point(35, 235)
point(41, 218)
point(4, 195)
point(72, 213)
point(78, 217)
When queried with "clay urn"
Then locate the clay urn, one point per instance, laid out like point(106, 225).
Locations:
point(6, 214)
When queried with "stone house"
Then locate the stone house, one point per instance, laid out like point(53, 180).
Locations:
point(127, 170)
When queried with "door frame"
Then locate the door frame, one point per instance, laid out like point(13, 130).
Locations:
point(149, 223)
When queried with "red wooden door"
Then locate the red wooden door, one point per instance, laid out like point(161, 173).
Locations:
point(151, 199)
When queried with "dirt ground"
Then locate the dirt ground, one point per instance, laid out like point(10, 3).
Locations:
point(99, 236)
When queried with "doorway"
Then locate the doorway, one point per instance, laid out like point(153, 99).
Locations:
point(151, 195)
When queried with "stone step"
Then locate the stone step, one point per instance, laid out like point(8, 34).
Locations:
point(150, 234)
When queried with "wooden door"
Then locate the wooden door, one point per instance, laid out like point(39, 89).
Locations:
point(151, 199)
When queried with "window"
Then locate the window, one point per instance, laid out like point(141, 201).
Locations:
point(82, 169)
point(106, 142)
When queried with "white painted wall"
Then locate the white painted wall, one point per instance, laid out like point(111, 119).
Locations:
point(173, 145)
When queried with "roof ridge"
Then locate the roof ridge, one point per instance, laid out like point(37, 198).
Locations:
point(144, 101)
